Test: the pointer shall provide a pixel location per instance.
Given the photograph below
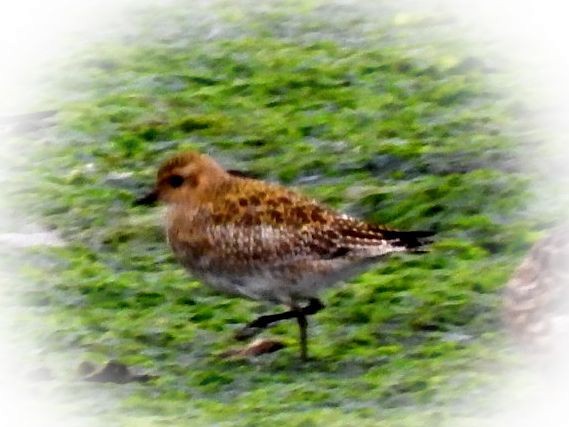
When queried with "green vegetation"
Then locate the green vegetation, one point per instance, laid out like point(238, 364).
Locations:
point(413, 135)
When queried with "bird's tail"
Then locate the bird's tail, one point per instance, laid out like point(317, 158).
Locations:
point(413, 241)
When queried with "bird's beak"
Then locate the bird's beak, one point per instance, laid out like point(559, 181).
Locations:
point(149, 200)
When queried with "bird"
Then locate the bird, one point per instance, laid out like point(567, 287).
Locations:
point(250, 238)
point(535, 298)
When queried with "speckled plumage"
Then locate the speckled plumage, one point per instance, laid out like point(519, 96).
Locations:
point(259, 240)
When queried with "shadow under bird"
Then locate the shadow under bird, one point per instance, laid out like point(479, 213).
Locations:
point(259, 240)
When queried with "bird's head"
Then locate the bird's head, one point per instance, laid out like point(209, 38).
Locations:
point(185, 178)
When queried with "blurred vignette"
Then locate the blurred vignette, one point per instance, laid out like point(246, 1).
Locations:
point(534, 296)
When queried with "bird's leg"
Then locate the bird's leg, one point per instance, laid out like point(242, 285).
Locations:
point(260, 323)
point(263, 322)
point(313, 307)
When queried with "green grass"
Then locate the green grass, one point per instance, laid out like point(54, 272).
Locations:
point(352, 114)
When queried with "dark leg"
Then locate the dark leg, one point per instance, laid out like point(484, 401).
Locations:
point(313, 307)
point(263, 322)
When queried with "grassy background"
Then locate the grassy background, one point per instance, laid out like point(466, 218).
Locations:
point(357, 108)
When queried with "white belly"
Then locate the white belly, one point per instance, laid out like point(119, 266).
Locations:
point(278, 287)
point(264, 287)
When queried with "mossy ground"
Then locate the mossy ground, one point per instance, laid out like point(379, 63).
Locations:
point(414, 135)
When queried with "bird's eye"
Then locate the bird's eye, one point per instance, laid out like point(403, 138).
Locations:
point(175, 181)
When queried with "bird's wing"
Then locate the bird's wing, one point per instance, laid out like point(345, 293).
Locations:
point(266, 245)
point(281, 220)
point(348, 237)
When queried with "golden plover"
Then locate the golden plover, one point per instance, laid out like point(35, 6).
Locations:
point(254, 239)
